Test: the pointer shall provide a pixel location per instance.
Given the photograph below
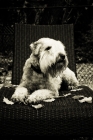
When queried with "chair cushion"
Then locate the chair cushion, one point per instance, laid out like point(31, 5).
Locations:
point(64, 116)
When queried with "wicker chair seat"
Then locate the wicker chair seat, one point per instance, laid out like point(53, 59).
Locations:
point(64, 116)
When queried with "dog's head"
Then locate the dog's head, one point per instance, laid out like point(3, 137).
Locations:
point(49, 56)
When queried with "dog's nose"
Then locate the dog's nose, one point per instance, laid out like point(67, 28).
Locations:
point(62, 56)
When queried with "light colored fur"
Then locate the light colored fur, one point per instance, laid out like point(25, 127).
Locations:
point(44, 72)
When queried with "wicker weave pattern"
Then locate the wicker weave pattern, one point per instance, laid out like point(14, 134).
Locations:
point(65, 116)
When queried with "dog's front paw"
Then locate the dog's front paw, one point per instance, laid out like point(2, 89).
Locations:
point(73, 86)
point(40, 95)
point(20, 94)
point(31, 99)
point(70, 87)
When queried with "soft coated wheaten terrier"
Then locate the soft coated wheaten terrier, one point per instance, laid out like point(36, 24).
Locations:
point(44, 71)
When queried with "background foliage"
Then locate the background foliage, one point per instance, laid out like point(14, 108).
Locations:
point(48, 12)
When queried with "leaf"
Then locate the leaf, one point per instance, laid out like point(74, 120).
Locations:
point(5, 100)
point(37, 106)
point(76, 89)
point(65, 95)
point(86, 99)
point(49, 100)
point(77, 96)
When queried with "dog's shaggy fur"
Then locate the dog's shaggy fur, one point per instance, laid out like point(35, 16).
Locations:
point(44, 72)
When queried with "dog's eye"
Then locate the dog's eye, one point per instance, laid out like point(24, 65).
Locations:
point(48, 48)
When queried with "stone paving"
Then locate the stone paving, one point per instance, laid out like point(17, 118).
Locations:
point(85, 74)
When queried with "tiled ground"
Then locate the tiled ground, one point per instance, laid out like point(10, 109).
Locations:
point(85, 74)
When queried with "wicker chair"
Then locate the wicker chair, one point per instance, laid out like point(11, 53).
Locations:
point(65, 116)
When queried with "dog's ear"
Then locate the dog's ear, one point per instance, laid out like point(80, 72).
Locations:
point(32, 46)
point(35, 47)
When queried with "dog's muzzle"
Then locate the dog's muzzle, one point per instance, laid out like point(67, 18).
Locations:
point(60, 58)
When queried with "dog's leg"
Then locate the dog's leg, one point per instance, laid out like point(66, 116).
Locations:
point(70, 79)
point(40, 95)
point(21, 92)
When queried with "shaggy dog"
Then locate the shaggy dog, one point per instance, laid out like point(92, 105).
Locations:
point(44, 72)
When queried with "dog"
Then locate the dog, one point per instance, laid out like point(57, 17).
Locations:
point(44, 72)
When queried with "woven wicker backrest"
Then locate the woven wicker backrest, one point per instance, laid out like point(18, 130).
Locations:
point(26, 33)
